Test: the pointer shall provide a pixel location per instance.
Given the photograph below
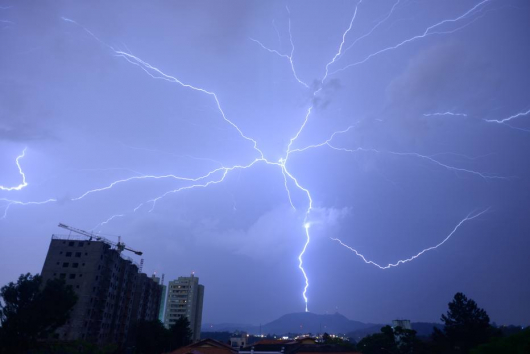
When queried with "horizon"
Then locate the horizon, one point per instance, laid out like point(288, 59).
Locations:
point(366, 158)
point(349, 319)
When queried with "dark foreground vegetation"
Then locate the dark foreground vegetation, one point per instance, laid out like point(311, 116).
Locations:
point(467, 329)
point(31, 312)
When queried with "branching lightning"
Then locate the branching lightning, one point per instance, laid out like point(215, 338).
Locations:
point(373, 28)
point(431, 159)
point(289, 57)
point(429, 31)
point(219, 174)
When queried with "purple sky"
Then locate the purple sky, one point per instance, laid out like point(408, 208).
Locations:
point(222, 113)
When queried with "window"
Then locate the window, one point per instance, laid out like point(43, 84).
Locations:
point(78, 254)
point(77, 286)
point(68, 254)
point(61, 252)
point(86, 254)
point(71, 276)
point(62, 275)
point(65, 264)
point(81, 243)
point(71, 243)
point(83, 264)
point(75, 265)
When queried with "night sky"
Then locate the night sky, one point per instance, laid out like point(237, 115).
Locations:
point(211, 135)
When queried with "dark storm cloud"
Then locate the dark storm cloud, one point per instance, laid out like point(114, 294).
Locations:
point(442, 78)
point(328, 90)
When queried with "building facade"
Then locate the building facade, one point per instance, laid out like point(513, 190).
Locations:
point(184, 299)
point(112, 295)
point(161, 312)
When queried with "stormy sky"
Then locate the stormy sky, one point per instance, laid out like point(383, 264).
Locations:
point(208, 133)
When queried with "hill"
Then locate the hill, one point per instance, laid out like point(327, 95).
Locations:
point(306, 322)
point(302, 322)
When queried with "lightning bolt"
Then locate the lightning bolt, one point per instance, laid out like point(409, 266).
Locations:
point(107, 221)
point(373, 28)
point(500, 121)
point(17, 202)
point(219, 174)
point(289, 57)
point(505, 121)
point(428, 32)
point(403, 261)
point(338, 54)
point(431, 159)
point(24, 183)
point(444, 114)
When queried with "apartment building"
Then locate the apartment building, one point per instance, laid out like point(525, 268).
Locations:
point(184, 299)
point(112, 295)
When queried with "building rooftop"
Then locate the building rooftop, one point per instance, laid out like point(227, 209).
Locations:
point(206, 346)
point(99, 239)
point(298, 346)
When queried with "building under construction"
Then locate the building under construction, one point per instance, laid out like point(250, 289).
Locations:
point(112, 294)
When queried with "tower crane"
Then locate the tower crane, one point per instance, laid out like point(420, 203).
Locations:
point(120, 246)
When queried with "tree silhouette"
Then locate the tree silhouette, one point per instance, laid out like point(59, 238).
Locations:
point(466, 326)
point(378, 343)
point(517, 343)
point(391, 341)
point(180, 333)
point(30, 311)
point(150, 337)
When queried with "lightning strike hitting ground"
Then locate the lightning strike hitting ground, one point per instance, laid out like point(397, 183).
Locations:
point(219, 174)
point(21, 185)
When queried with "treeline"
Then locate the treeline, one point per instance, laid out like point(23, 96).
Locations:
point(467, 330)
point(31, 312)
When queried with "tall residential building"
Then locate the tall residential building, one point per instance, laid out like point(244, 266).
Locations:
point(184, 299)
point(162, 296)
point(112, 295)
point(162, 303)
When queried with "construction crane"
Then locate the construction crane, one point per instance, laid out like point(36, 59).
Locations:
point(120, 246)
